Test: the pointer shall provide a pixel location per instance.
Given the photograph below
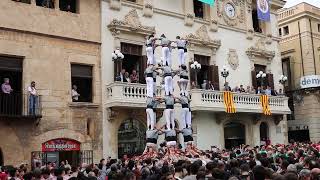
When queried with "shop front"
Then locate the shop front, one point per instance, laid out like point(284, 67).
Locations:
point(62, 149)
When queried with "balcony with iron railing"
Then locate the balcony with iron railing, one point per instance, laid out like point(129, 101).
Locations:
point(20, 106)
point(134, 95)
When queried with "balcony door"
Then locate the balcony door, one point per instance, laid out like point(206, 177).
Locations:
point(11, 68)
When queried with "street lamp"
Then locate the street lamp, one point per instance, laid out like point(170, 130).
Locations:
point(224, 73)
point(260, 76)
point(283, 79)
point(196, 67)
point(117, 57)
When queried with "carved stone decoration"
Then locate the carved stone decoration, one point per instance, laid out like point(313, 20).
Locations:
point(269, 39)
point(277, 119)
point(256, 118)
point(214, 26)
point(250, 34)
point(148, 10)
point(189, 19)
point(259, 50)
point(239, 6)
point(131, 23)
point(112, 114)
point(201, 37)
point(233, 59)
point(115, 5)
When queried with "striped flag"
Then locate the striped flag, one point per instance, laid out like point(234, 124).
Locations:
point(228, 102)
point(210, 2)
point(264, 99)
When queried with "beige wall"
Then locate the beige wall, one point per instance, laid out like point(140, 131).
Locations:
point(49, 40)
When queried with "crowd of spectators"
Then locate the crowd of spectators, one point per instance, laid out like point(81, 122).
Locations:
point(296, 161)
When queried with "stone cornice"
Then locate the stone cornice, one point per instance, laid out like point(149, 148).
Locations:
point(288, 52)
point(259, 50)
point(277, 4)
point(131, 23)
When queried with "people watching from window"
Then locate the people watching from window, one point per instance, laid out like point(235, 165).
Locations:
point(6, 87)
point(33, 98)
point(260, 90)
point(134, 77)
point(75, 95)
point(268, 91)
point(236, 89)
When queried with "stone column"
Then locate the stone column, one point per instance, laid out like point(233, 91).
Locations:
point(213, 19)
point(56, 4)
point(188, 12)
point(250, 31)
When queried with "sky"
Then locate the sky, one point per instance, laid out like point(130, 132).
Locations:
point(291, 3)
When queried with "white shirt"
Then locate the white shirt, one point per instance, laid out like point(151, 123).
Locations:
point(75, 95)
point(32, 90)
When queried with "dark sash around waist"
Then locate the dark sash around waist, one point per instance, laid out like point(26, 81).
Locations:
point(187, 138)
point(152, 140)
point(150, 75)
point(167, 74)
point(171, 138)
point(169, 107)
point(149, 107)
point(180, 47)
point(185, 105)
point(184, 77)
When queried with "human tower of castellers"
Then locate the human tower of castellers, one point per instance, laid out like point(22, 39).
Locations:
point(164, 69)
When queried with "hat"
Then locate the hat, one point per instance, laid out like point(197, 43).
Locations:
point(305, 173)
point(292, 168)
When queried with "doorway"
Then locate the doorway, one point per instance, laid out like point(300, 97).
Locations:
point(234, 135)
point(131, 138)
point(1, 158)
point(264, 133)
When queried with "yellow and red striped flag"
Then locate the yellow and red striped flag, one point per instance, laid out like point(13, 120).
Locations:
point(265, 105)
point(228, 102)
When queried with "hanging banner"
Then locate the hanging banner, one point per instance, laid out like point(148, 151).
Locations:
point(210, 2)
point(228, 102)
point(263, 9)
point(60, 145)
point(310, 81)
point(264, 99)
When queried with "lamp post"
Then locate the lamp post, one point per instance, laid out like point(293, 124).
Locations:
point(224, 73)
point(260, 76)
point(117, 57)
point(196, 67)
point(282, 80)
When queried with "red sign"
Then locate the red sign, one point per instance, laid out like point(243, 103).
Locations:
point(61, 145)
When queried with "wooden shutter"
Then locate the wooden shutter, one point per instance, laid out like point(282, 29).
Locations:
point(83, 71)
point(117, 69)
point(270, 80)
point(143, 66)
point(254, 79)
point(214, 76)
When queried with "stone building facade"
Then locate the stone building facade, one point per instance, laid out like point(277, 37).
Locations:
point(299, 27)
point(56, 47)
point(228, 33)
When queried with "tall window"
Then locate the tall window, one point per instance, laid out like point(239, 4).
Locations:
point(286, 30)
point(198, 8)
point(45, 3)
point(255, 21)
point(318, 27)
point(81, 77)
point(68, 5)
point(287, 72)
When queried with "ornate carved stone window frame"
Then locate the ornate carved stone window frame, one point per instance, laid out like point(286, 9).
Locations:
point(201, 43)
point(264, 56)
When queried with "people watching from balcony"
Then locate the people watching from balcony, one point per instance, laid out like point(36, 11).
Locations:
point(241, 89)
point(121, 76)
point(260, 90)
point(6, 87)
point(134, 77)
point(204, 85)
point(227, 87)
point(33, 98)
point(127, 77)
point(75, 95)
point(210, 86)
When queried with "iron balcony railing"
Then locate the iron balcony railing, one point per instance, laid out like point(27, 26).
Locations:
point(20, 105)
